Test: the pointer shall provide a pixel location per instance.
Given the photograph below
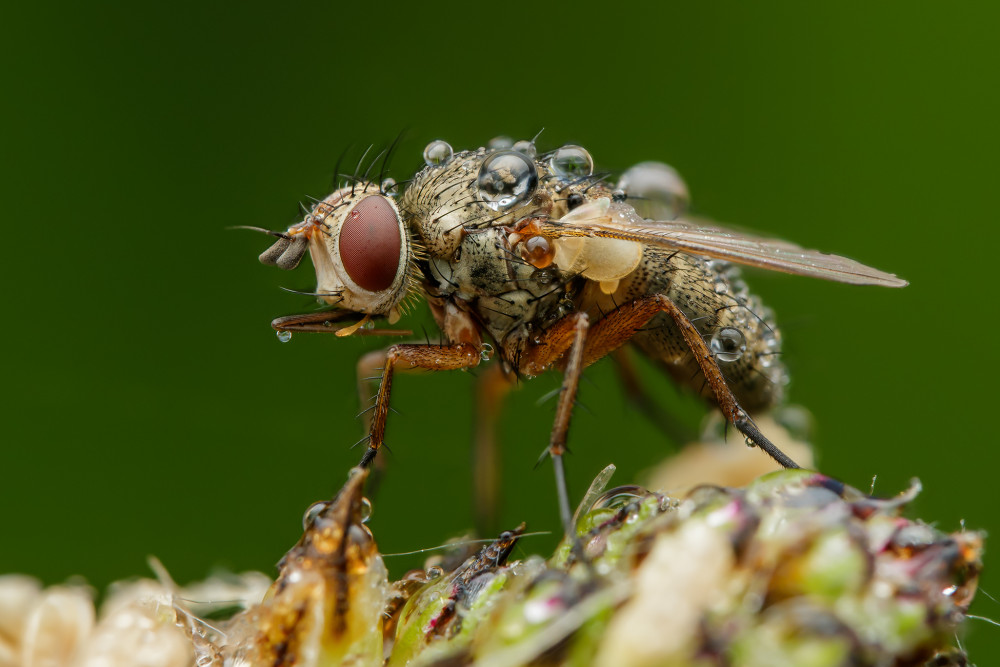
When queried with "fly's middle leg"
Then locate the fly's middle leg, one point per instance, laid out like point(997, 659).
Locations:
point(492, 386)
point(564, 341)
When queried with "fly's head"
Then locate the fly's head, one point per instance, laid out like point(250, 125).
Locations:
point(360, 248)
point(458, 194)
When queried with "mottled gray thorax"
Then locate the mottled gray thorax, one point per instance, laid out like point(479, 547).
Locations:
point(512, 300)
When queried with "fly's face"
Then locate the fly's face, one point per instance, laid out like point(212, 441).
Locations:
point(359, 247)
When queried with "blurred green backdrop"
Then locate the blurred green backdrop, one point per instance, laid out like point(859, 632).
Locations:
point(149, 408)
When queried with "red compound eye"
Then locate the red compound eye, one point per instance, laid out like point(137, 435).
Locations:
point(370, 243)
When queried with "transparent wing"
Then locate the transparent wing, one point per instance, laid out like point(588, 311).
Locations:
point(620, 221)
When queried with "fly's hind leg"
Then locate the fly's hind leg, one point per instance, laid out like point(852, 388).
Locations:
point(611, 332)
point(575, 344)
point(727, 401)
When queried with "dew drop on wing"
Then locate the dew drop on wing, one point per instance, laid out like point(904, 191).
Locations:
point(437, 153)
point(365, 510)
point(284, 336)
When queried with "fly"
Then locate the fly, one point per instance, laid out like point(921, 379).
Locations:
point(536, 257)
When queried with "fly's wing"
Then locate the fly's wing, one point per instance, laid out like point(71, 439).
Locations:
point(620, 221)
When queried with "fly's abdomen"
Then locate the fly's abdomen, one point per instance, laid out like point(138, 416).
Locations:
point(739, 330)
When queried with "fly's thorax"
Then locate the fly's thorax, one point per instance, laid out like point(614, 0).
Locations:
point(509, 296)
point(470, 191)
point(522, 314)
point(360, 249)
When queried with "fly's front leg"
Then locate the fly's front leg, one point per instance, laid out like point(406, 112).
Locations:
point(408, 357)
point(492, 386)
point(340, 322)
point(369, 372)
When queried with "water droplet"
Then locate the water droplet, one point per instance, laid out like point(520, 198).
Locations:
point(435, 572)
point(370, 324)
point(501, 143)
point(437, 153)
point(538, 252)
point(618, 498)
point(312, 512)
point(544, 276)
point(740, 289)
point(389, 188)
point(658, 191)
point(618, 195)
point(366, 510)
point(506, 178)
point(284, 336)
point(721, 285)
point(486, 352)
point(772, 339)
point(571, 162)
point(526, 147)
point(727, 344)
point(749, 443)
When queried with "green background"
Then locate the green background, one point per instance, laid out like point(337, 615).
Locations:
point(149, 409)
